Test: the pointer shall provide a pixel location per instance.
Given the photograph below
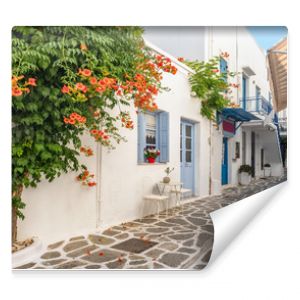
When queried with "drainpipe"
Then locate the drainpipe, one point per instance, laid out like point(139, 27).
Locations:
point(210, 53)
point(237, 62)
point(98, 190)
point(210, 158)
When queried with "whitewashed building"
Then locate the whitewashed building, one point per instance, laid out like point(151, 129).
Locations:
point(204, 158)
point(252, 142)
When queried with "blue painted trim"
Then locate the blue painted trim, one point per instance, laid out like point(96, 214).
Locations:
point(224, 165)
point(163, 140)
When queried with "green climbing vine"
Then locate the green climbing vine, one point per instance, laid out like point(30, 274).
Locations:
point(67, 81)
point(211, 85)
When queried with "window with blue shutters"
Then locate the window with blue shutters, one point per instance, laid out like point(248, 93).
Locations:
point(223, 69)
point(153, 132)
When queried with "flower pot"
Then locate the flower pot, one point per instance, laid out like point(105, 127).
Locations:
point(245, 178)
point(166, 179)
point(151, 160)
point(267, 171)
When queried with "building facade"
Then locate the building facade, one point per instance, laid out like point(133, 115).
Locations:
point(205, 158)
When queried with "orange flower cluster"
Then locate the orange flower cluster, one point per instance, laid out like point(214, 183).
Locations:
point(142, 87)
point(99, 135)
point(83, 47)
point(75, 119)
point(81, 87)
point(233, 105)
point(87, 151)
point(85, 178)
point(235, 85)
point(65, 89)
point(224, 54)
point(96, 113)
point(164, 63)
point(143, 91)
point(106, 83)
point(181, 59)
point(19, 88)
point(144, 96)
point(85, 72)
point(98, 85)
point(126, 120)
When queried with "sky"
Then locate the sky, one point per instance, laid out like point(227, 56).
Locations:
point(267, 36)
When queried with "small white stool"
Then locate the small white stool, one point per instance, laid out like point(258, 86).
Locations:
point(158, 199)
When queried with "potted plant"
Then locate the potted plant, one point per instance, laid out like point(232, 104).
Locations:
point(168, 171)
point(267, 170)
point(245, 174)
point(151, 154)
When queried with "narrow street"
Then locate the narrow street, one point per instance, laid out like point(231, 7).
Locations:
point(183, 239)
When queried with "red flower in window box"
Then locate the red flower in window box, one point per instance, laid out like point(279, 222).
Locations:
point(151, 154)
point(151, 160)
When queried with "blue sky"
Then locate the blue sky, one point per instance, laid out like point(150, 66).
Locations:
point(267, 36)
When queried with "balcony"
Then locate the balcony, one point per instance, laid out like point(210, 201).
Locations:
point(282, 125)
point(257, 105)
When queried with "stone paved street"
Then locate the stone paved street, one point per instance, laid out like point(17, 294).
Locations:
point(183, 239)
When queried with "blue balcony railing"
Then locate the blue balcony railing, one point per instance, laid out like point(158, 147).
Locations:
point(256, 104)
point(282, 123)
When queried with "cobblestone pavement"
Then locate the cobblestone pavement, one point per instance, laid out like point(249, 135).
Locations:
point(183, 239)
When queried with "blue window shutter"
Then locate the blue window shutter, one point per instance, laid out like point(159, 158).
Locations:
point(141, 137)
point(164, 136)
point(223, 68)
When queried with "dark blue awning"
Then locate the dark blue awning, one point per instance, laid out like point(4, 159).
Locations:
point(238, 115)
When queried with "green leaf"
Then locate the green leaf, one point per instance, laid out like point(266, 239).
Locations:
point(39, 147)
point(54, 148)
point(45, 155)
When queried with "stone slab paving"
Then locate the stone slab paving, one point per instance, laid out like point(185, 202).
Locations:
point(181, 239)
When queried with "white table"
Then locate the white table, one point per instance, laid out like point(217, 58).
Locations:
point(172, 188)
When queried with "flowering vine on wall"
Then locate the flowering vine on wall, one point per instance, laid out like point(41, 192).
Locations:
point(67, 81)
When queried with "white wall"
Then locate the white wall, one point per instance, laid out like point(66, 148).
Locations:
point(243, 52)
point(61, 208)
point(124, 182)
point(64, 208)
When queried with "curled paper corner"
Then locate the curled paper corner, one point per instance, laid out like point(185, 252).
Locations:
point(229, 221)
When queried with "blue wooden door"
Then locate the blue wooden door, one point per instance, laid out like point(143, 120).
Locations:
point(187, 159)
point(225, 161)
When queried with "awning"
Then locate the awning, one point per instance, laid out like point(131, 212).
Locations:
point(277, 60)
point(238, 115)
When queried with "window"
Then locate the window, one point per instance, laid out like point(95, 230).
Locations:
point(224, 68)
point(153, 132)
